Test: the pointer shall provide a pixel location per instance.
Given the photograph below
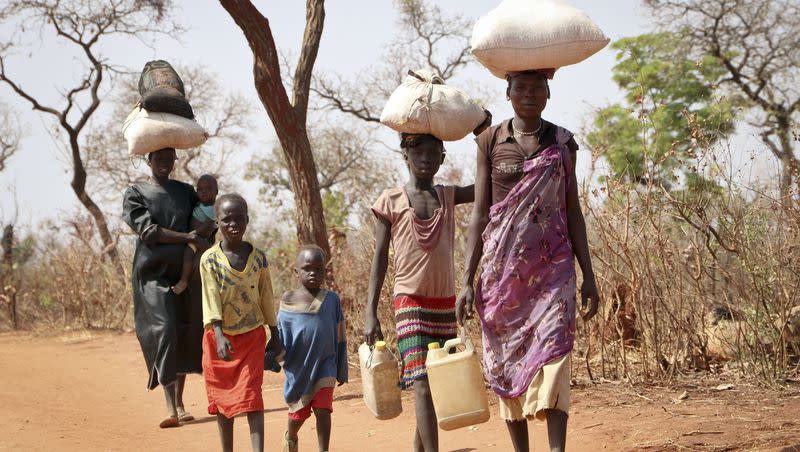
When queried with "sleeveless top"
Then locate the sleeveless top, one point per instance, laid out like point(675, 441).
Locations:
point(422, 249)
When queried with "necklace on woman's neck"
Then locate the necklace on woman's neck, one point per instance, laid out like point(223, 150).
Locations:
point(527, 134)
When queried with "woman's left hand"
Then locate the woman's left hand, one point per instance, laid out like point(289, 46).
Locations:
point(589, 292)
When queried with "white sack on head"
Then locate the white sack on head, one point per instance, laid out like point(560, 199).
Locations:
point(147, 131)
point(424, 104)
point(521, 35)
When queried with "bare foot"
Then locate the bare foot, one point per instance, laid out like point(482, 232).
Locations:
point(170, 422)
point(179, 287)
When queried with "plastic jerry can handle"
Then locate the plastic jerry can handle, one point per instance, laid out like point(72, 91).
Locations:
point(463, 339)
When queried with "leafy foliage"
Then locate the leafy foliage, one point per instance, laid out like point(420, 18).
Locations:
point(671, 110)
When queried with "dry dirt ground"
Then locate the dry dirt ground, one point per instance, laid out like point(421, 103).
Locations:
point(85, 391)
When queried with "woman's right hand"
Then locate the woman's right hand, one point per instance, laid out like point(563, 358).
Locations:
point(372, 329)
point(193, 237)
point(196, 239)
point(464, 304)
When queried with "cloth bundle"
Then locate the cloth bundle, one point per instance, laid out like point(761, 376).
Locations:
point(163, 118)
point(520, 35)
point(162, 90)
point(424, 104)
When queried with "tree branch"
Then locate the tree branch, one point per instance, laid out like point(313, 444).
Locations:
point(315, 20)
point(24, 94)
point(345, 106)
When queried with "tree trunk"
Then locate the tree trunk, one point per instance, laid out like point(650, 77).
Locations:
point(8, 286)
point(289, 120)
point(78, 184)
point(790, 165)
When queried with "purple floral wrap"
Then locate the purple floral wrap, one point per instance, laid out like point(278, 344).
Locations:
point(526, 292)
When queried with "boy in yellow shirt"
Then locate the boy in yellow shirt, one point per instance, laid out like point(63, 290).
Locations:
point(237, 304)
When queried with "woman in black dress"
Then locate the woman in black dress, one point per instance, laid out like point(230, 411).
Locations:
point(169, 326)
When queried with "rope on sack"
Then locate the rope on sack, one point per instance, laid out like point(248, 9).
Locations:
point(435, 80)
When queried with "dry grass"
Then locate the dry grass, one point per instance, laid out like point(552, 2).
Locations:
point(665, 262)
point(682, 259)
point(66, 284)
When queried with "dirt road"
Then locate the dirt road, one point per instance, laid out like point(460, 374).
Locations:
point(85, 391)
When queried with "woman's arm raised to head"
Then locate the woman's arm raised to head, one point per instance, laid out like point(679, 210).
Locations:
point(464, 195)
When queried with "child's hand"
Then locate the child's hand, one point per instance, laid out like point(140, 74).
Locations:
point(464, 304)
point(224, 347)
point(372, 329)
point(275, 347)
point(485, 124)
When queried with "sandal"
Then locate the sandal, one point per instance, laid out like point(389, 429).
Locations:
point(170, 422)
point(185, 417)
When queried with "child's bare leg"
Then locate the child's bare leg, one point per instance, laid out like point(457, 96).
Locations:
point(556, 429)
point(172, 412)
point(292, 428)
point(418, 447)
point(519, 435)
point(225, 426)
point(256, 421)
point(323, 428)
point(186, 271)
point(426, 418)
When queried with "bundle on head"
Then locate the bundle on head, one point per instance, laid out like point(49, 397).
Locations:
point(162, 90)
point(423, 104)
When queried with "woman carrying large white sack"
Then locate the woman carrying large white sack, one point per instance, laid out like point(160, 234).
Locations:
point(526, 226)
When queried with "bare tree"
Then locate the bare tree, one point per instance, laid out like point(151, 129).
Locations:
point(288, 116)
point(352, 165)
point(10, 134)
point(426, 35)
point(758, 43)
point(351, 172)
point(224, 114)
point(82, 24)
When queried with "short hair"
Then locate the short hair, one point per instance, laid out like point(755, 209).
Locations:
point(207, 178)
point(150, 154)
point(230, 197)
point(410, 140)
point(313, 249)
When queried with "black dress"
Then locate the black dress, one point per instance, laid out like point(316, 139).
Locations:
point(169, 326)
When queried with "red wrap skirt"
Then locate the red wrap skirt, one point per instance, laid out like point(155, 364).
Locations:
point(234, 386)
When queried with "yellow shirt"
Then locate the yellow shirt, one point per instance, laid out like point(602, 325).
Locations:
point(241, 300)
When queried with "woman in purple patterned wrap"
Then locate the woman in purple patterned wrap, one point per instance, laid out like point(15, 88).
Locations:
point(525, 228)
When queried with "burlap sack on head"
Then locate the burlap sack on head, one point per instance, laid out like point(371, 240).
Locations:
point(147, 131)
point(520, 35)
point(162, 90)
point(424, 104)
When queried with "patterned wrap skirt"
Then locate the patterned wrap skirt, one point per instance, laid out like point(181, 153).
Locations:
point(420, 321)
